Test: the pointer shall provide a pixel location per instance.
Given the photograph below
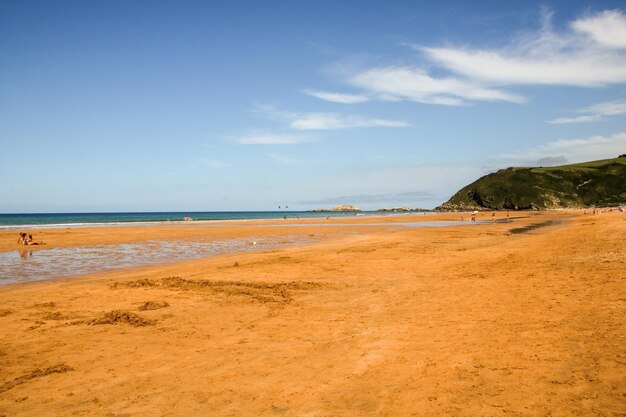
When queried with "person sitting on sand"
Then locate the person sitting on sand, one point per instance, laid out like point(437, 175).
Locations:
point(30, 241)
point(22, 239)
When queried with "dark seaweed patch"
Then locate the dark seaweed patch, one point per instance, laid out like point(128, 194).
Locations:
point(531, 227)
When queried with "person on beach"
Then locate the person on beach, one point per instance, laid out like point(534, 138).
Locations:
point(22, 239)
point(493, 217)
point(30, 241)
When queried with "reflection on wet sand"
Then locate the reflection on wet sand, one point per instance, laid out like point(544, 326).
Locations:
point(25, 254)
point(77, 260)
point(59, 262)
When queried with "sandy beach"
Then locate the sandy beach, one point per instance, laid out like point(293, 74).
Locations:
point(361, 321)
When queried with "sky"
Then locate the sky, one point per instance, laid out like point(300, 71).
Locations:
point(251, 105)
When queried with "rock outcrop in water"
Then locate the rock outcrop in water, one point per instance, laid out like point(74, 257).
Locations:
point(346, 207)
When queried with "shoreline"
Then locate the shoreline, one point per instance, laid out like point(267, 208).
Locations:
point(68, 256)
point(312, 216)
point(322, 216)
point(130, 232)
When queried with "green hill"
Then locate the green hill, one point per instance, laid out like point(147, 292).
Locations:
point(595, 183)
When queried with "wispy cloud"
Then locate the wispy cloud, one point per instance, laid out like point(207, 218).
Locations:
point(411, 185)
point(331, 121)
point(595, 113)
point(583, 149)
point(609, 108)
point(415, 84)
point(591, 53)
point(281, 159)
point(342, 98)
point(402, 198)
point(272, 140)
point(325, 121)
point(577, 119)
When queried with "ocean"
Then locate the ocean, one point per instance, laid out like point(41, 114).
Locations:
point(45, 220)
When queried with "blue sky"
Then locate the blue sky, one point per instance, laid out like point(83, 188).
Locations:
point(156, 106)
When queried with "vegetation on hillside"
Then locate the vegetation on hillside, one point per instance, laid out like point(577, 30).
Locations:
point(587, 184)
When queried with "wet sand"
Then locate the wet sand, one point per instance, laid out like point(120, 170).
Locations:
point(465, 321)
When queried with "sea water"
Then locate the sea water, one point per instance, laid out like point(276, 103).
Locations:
point(45, 220)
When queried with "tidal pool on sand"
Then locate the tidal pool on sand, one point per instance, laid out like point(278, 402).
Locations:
point(26, 265)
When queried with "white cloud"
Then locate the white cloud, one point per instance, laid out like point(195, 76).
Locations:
point(331, 121)
point(325, 121)
point(282, 159)
point(590, 52)
point(607, 28)
point(271, 140)
point(337, 97)
point(415, 84)
point(577, 119)
point(609, 108)
point(595, 112)
point(578, 58)
point(580, 68)
point(577, 150)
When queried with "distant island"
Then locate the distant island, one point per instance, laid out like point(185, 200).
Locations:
point(403, 210)
point(339, 208)
point(586, 184)
point(352, 208)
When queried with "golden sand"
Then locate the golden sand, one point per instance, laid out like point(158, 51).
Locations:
point(467, 321)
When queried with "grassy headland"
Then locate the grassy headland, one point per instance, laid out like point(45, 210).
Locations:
point(586, 184)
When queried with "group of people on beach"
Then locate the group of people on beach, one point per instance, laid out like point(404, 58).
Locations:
point(605, 210)
point(475, 213)
point(27, 240)
point(472, 216)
